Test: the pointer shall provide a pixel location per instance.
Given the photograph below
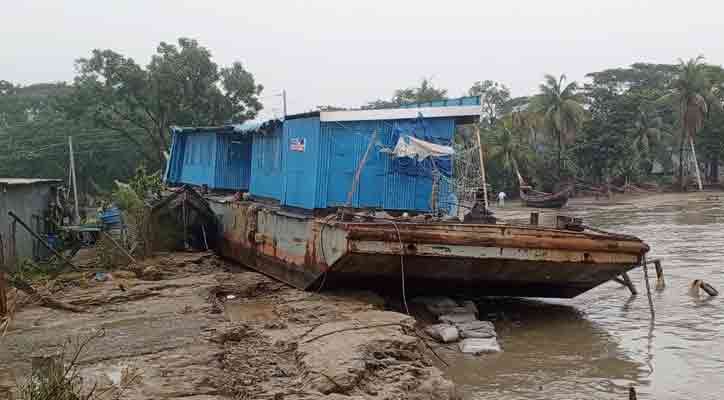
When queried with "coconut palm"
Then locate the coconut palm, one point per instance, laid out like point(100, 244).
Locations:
point(508, 144)
point(650, 133)
point(692, 94)
point(562, 108)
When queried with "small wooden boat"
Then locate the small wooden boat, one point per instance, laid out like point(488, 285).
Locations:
point(534, 198)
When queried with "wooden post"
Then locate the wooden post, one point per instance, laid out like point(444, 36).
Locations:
point(660, 284)
point(482, 166)
point(358, 172)
point(3, 281)
point(696, 164)
point(534, 218)
point(72, 175)
point(628, 283)
point(435, 189)
point(648, 289)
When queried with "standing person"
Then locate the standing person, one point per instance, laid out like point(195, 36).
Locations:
point(501, 199)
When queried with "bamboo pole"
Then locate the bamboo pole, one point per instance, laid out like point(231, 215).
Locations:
point(358, 172)
point(72, 175)
point(40, 239)
point(482, 166)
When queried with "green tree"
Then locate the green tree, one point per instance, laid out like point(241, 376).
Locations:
point(494, 97)
point(692, 93)
point(180, 86)
point(561, 105)
point(34, 137)
point(426, 91)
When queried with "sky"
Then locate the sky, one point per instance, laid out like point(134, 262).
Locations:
point(346, 53)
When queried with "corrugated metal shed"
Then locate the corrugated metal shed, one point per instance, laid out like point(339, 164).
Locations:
point(29, 199)
point(311, 162)
point(219, 157)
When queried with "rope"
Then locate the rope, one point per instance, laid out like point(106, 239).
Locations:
point(402, 264)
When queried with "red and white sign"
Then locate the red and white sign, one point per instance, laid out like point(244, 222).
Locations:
point(296, 144)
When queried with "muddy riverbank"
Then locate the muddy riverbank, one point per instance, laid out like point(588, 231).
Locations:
point(203, 332)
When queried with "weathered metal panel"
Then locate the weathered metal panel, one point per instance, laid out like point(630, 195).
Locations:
point(199, 159)
point(26, 201)
point(383, 182)
point(266, 165)
point(301, 146)
point(233, 162)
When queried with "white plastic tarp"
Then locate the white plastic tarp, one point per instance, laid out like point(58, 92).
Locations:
point(408, 146)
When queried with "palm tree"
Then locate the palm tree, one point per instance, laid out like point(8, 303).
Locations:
point(508, 144)
point(650, 133)
point(692, 93)
point(562, 110)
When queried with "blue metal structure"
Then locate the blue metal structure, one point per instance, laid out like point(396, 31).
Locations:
point(309, 161)
point(219, 157)
point(266, 164)
point(311, 164)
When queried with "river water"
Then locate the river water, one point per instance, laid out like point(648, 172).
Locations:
point(599, 344)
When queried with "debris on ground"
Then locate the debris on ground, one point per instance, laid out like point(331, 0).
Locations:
point(204, 332)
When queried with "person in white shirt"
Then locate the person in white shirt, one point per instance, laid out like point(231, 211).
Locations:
point(501, 199)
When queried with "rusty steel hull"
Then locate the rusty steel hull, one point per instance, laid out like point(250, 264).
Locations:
point(500, 260)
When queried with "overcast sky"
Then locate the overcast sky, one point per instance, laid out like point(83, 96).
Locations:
point(350, 52)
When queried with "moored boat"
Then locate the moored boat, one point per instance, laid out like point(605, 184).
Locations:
point(536, 199)
point(311, 252)
point(368, 199)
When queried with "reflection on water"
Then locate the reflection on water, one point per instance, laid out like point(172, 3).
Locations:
point(597, 345)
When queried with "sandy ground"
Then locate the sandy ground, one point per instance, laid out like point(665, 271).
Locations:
point(201, 332)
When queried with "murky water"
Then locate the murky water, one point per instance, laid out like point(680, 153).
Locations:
point(599, 344)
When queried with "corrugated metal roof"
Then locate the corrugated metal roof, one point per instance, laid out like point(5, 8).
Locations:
point(27, 181)
point(246, 127)
point(460, 101)
point(400, 113)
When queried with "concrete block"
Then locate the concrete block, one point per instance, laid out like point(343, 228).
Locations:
point(476, 329)
point(444, 333)
point(479, 346)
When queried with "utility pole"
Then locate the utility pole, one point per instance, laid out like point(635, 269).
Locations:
point(72, 176)
point(284, 101)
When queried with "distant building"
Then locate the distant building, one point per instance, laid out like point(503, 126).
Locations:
point(28, 199)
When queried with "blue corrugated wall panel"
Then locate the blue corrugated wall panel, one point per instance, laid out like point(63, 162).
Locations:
point(300, 162)
point(382, 184)
point(176, 161)
point(266, 165)
point(233, 162)
point(199, 159)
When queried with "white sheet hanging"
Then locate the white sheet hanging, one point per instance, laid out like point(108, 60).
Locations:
point(408, 146)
